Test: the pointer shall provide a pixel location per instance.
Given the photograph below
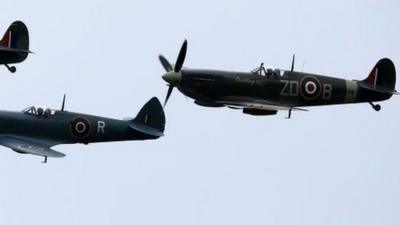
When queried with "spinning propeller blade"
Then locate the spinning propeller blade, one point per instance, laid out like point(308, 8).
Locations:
point(181, 57)
point(164, 62)
point(170, 88)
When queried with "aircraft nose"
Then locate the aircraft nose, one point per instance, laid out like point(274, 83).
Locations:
point(172, 77)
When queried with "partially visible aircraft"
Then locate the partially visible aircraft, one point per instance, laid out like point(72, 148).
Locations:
point(34, 130)
point(14, 46)
point(265, 91)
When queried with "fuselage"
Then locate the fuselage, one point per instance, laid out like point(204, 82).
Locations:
point(291, 88)
point(62, 127)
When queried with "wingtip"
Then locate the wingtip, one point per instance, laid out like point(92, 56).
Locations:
point(59, 155)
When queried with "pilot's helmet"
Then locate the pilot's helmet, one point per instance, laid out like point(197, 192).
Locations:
point(47, 112)
point(40, 111)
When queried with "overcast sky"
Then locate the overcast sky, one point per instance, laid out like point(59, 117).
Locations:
point(331, 165)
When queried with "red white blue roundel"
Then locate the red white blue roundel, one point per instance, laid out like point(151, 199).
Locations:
point(310, 88)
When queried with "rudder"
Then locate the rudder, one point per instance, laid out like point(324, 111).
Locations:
point(383, 75)
point(150, 119)
point(16, 36)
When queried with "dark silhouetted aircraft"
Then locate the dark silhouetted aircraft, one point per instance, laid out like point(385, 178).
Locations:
point(265, 91)
point(34, 130)
point(14, 46)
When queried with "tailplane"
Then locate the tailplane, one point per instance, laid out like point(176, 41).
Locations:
point(151, 119)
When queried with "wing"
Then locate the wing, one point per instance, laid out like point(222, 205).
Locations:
point(253, 103)
point(23, 145)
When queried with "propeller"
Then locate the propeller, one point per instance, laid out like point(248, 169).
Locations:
point(181, 57)
point(170, 88)
point(164, 62)
point(173, 76)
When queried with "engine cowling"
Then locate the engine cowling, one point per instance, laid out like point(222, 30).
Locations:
point(259, 112)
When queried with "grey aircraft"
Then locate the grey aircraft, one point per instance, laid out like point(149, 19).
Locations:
point(35, 130)
point(14, 46)
point(265, 91)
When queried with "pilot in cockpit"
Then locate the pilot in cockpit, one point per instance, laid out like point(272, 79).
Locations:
point(270, 73)
point(47, 113)
point(259, 70)
point(262, 70)
point(39, 112)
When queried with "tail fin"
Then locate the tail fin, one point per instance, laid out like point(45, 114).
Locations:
point(382, 76)
point(151, 119)
point(16, 36)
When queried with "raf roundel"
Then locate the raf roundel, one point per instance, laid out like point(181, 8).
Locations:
point(310, 88)
point(80, 127)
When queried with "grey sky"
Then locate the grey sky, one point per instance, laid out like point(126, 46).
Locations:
point(332, 165)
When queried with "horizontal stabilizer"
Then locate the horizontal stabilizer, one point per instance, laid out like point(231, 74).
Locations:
point(5, 49)
point(146, 129)
point(379, 89)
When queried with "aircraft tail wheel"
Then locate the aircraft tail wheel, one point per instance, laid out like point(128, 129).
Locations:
point(13, 69)
point(376, 107)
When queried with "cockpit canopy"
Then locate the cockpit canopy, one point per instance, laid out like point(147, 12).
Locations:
point(270, 73)
point(32, 110)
